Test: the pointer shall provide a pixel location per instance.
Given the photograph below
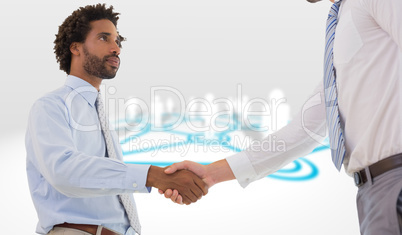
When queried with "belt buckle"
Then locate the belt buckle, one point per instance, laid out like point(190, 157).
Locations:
point(358, 179)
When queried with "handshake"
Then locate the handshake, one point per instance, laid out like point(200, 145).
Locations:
point(186, 182)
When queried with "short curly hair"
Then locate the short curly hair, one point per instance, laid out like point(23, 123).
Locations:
point(76, 27)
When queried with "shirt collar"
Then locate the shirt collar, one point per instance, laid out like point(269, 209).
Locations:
point(82, 87)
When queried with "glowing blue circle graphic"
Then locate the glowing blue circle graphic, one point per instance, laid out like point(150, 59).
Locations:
point(286, 174)
point(299, 170)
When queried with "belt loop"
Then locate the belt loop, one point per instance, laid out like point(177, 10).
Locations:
point(99, 230)
point(368, 175)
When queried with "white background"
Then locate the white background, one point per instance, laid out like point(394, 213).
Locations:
point(197, 47)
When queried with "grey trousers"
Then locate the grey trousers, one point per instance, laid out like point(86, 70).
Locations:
point(379, 204)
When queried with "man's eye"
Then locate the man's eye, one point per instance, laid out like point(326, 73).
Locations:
point(103, 38)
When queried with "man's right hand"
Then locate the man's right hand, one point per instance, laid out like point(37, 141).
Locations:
point(189, 185)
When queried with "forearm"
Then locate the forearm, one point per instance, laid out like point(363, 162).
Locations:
point(297, 139)
point(53, 152)
point(80, 175)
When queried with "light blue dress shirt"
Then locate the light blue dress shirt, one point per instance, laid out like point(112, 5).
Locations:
point(70, 179)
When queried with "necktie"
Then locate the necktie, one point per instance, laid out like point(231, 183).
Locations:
point(128, 204)
point(336, 138)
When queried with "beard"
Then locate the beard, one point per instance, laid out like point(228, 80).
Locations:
point(96, 66)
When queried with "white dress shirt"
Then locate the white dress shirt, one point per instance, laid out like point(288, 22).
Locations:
point(368, 62)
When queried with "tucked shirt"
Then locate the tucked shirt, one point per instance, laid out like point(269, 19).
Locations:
point(70, 178)
point(368, 63)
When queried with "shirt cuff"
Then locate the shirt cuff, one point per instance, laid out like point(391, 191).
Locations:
point(137, 175)
point(242, 168)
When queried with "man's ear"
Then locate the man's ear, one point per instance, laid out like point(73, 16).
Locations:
point(75, 48)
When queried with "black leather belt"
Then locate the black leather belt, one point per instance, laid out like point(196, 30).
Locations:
point(378, 168)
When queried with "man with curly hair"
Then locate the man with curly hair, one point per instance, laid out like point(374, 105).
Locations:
point(78, 181)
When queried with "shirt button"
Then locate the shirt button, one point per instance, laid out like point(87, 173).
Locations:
point(135, 185)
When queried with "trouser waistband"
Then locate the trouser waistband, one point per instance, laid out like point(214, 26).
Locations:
point(377, 169)
point(89, 228)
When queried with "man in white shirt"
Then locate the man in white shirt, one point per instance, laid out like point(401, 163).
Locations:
point(368, 62)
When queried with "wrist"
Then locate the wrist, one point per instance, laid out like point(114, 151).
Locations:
point(219, 171)
point(153, 176)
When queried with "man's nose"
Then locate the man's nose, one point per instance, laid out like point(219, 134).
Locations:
point(115, 49)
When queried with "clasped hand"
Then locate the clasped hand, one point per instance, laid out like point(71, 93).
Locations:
point(211, 174)
point(201, 177)
point(190, 187)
